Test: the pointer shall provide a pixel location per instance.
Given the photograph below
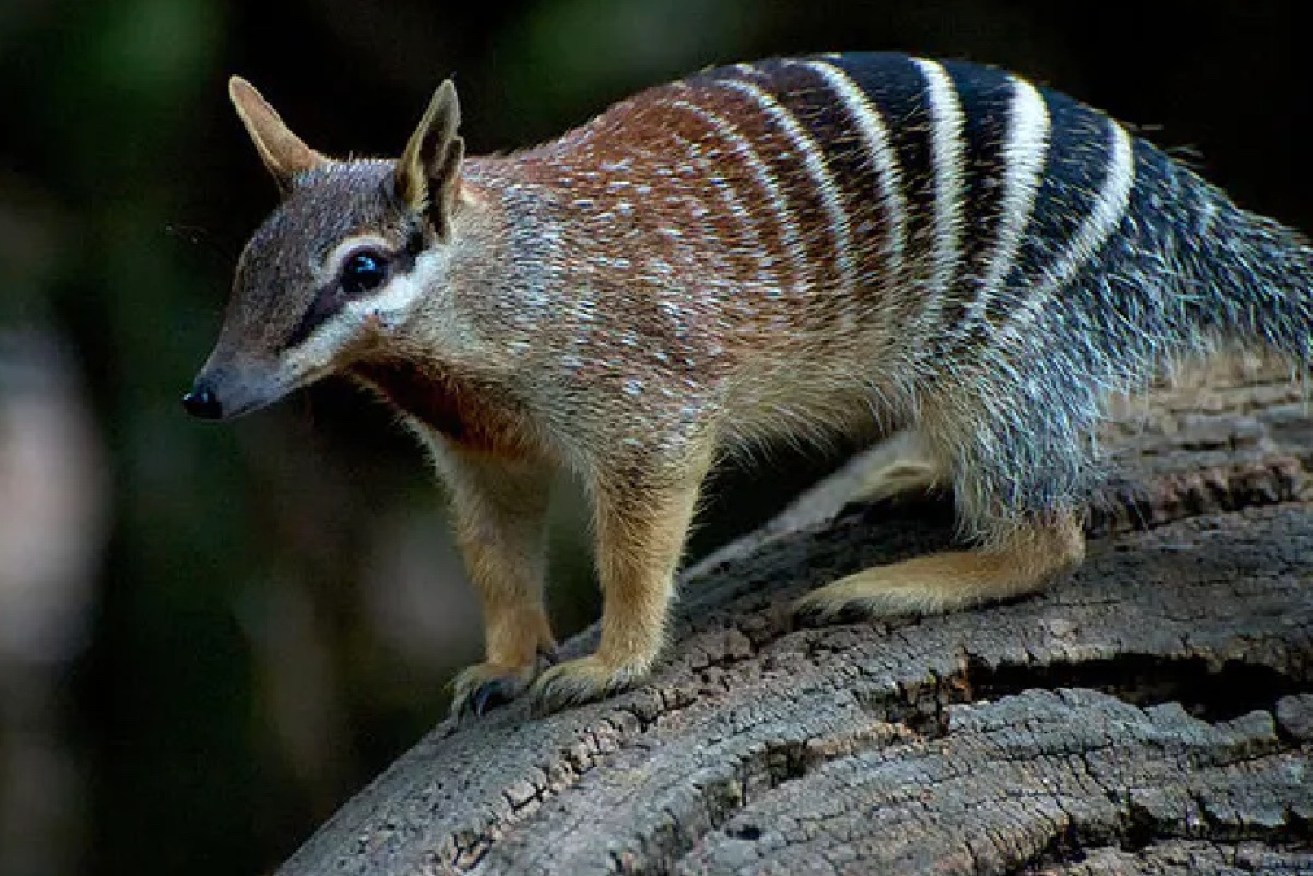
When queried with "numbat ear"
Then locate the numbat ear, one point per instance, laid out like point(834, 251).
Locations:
point(428, 172)
point(281, 150)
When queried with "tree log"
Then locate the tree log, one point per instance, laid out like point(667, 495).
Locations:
point(1152, 714)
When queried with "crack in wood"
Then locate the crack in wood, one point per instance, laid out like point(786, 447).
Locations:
point(1207, 692)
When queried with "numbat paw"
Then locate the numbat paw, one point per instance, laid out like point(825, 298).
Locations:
point(484, 686)
point(951, 580)
point(581, 681)
point(860, 596)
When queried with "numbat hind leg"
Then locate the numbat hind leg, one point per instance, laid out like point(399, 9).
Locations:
point(1022, 562)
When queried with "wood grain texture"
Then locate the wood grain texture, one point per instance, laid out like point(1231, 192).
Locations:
point(1153, 714)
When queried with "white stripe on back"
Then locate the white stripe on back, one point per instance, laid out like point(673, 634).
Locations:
point(947, 158)
point(729, 197)
point(1090, 237)
point(743, 148)
point(875, 137)
point(814, 159)
point(1023, 158)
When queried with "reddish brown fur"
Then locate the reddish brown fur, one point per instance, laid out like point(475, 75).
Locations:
point(463, 413)
point(665, 184)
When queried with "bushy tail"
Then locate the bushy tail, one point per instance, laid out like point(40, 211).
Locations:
point(1185, 273)
point(1233, 276)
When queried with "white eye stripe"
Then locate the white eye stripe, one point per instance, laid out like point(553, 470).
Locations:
point(332, 263)
point(399, 293)
point(392, 302)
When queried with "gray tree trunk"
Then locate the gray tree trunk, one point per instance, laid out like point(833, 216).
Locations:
point(1153, 714)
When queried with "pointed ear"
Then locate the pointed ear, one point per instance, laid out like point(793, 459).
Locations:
point(428, 172)
point(281, 150)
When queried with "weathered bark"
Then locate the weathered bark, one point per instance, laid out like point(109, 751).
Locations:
point(1152, 714)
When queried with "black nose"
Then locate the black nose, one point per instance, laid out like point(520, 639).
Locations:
point(202, 403)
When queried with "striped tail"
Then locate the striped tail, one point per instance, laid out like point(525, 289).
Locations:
point(1180, 272)
point(1239, 276)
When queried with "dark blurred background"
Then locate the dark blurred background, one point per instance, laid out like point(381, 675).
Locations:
point(210, 636)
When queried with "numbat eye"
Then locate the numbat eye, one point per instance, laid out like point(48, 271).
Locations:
point(363, 272)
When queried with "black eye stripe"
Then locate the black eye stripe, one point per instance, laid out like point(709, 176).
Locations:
point(330, 298)
point(414, 244)
point(325, 304)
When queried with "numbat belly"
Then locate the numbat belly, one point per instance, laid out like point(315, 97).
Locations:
point(780, 250)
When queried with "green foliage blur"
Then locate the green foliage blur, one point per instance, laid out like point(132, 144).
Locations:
point(274, 606)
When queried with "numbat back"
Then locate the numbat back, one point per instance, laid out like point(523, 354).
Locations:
point(779, 250)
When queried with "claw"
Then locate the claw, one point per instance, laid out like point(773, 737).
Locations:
point(490, 695)
point(483, 687)
point(813, 611)
point(808, 614)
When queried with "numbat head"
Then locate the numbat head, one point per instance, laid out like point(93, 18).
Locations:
point(353, 252)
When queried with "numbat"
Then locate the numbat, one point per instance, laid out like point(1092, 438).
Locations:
point(777, 250)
